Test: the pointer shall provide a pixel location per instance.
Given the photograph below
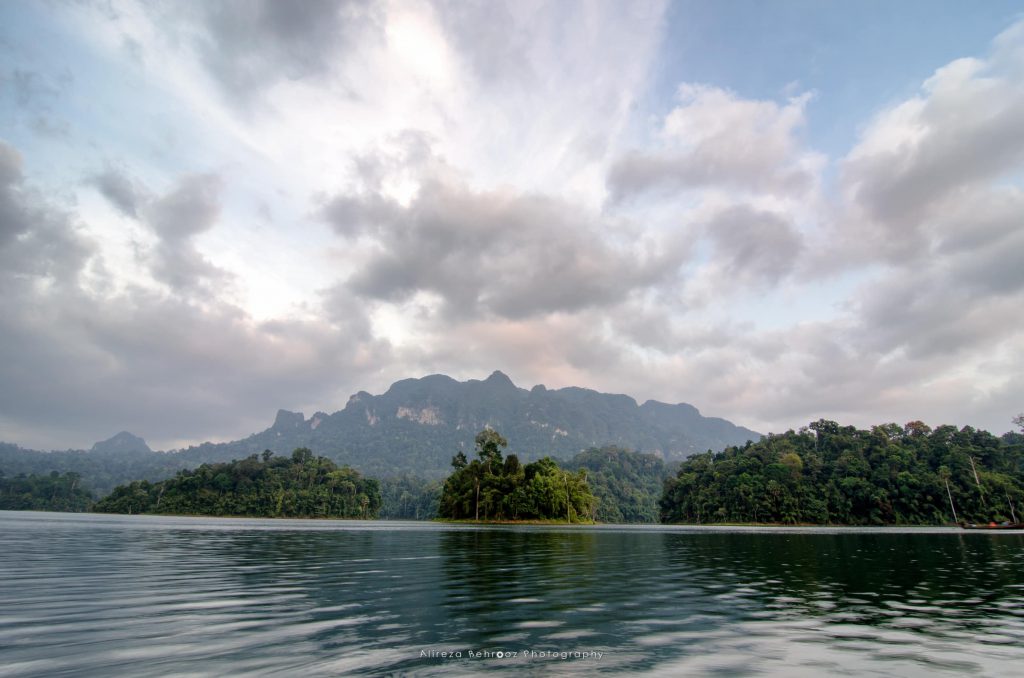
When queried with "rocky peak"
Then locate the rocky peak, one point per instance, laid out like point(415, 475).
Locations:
point(499, 379)
point(122, 442)
point(286, 420)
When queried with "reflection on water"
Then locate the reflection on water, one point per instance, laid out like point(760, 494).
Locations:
point(118, 595)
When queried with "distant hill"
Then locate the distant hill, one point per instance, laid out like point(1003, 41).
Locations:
point(123, 442)
point(416, 427)
point(418, 424)
point(101, 469)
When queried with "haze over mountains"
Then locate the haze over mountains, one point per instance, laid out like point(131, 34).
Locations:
point(418, 424)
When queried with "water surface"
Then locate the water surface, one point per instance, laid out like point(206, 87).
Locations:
point(91, 595)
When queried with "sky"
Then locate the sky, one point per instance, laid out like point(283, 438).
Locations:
point(777, 212)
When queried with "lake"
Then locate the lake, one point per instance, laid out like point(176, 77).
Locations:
point(94, 595)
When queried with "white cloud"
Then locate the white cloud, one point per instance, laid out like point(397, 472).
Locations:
point(714, 138)
point(922, 158)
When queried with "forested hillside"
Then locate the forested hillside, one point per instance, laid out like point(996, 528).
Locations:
point(827, 473)
point(101, 470)
point(418, 423)
point(52, 492)
point(415, 427)
point(409, 497)
point(626, 485)
point(299, 486)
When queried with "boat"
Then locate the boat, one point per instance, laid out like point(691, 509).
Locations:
point(992, 526)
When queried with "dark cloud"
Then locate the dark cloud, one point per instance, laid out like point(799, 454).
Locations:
point(755, 246)
point(36, 240)
point(248, 45)
point(979, 219)
point(949, 306)
point(191, 208)
point(513, 255)
point(13, 219)
point(124, 193)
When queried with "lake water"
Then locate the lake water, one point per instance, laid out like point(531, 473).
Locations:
point(91, 595)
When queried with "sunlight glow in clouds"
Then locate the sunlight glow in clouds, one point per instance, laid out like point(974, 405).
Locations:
point(209, 210)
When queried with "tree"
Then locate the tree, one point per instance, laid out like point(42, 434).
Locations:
point(829, 473)
point(505, 489)
point(300, 486)
point(489, 444)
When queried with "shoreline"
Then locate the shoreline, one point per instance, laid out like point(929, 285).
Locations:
point(532, 521)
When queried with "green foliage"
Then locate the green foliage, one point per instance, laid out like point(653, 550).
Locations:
point(826, 473)
point(496, 488)
point(626, 485)
point(302, 486)
point(409, 498)
point(102, 471)
point(53, 492)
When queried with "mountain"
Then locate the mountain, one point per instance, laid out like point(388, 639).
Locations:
point(108, 464)
point(416, 427)
point(123, 442)
point(418, 424)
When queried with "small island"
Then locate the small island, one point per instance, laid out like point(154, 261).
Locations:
point(263, 486)
point(496, 489)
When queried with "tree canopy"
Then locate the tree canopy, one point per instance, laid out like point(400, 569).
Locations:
point(626, 485)
point(493, 487)
point(51, 492)
point(827, 473)
point(299, 486)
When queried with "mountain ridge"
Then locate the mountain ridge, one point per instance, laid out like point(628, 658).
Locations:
point(427, 419)
point(419, 423)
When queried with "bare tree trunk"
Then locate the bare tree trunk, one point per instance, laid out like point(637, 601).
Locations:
point(1013, 514)
point(477, 500)
point(950, 495)
point(567, 502)
point(981, 490)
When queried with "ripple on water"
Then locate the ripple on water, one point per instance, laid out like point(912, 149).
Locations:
point(98, 596)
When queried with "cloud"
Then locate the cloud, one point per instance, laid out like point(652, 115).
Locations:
point(189, 209)
point(497, 252)
point(37, 241)
point(36, 91)
point(250, 45)
point(36, 97)
point(12, 219)
point(714, 138)
point(124, 193)
point(484, 196)
point(754, 246)
point(919, 159)
point(81, 359)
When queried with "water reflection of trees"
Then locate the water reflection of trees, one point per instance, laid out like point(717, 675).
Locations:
point(863, 576)
point(497, 578)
